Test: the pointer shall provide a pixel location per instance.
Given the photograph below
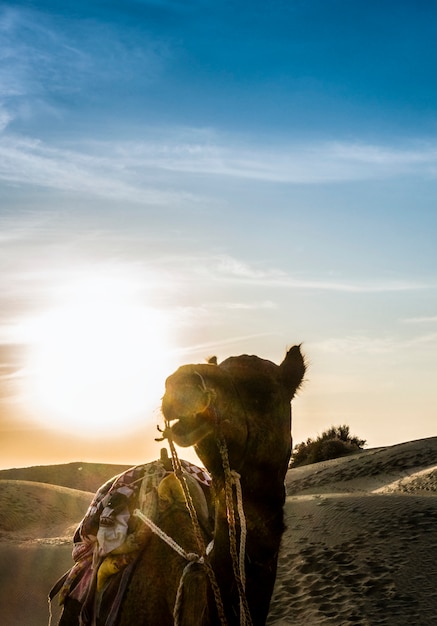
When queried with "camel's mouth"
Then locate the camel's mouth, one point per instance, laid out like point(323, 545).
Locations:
point(188, 431)
point(186, 406)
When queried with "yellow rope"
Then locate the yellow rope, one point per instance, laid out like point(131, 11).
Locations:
point(189, 556)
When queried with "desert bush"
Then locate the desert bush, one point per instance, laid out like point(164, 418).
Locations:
point(331, 444)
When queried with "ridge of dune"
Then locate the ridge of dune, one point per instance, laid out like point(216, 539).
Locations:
point(421, 481)
point(367, 470)
point(77, 475)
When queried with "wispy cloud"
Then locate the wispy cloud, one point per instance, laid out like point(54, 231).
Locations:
point(249, 306)
point(216, 268)
point(208, 346)
point(205, 151)
point(214, 312)
point(361, 344)
point(144, 171)
point(356, 344)
point(44, 57)
point(32, 162)
point(228, 268)
point(431, 319)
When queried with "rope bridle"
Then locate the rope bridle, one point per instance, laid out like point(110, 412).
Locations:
point(231, 481)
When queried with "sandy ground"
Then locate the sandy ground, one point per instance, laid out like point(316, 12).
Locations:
point(361, 542)
point(360, 546)
point(26, 574)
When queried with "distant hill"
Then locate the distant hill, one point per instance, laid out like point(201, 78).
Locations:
point(30, 509)
point(82, 476)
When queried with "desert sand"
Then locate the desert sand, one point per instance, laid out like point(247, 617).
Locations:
point(360, 546)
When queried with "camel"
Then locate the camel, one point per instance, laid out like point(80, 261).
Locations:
point(237, 415)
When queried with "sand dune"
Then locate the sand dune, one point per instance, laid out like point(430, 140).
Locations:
point(32, 511)
point(360, 546)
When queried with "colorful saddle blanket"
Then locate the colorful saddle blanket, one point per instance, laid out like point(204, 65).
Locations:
point(109, 539)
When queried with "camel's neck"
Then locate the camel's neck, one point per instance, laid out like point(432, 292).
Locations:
point(263, 516)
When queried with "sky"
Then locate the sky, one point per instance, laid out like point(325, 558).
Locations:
point(186, 179)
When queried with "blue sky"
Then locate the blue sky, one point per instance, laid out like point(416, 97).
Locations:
point(232, 177)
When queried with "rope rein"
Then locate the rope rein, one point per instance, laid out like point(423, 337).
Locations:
point(177, 468)
point(233, 478)
point(243, 535)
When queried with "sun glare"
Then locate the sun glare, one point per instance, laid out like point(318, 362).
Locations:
point(98, 362)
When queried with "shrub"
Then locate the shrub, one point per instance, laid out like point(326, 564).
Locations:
point(331, 444)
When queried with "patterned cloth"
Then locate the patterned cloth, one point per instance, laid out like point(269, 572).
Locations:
point(109, 538)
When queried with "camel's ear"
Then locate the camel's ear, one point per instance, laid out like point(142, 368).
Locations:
point(292, 370)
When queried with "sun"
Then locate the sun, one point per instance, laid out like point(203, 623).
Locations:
point(98, 361)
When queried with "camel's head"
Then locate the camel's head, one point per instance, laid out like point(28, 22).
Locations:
point(245, 399)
